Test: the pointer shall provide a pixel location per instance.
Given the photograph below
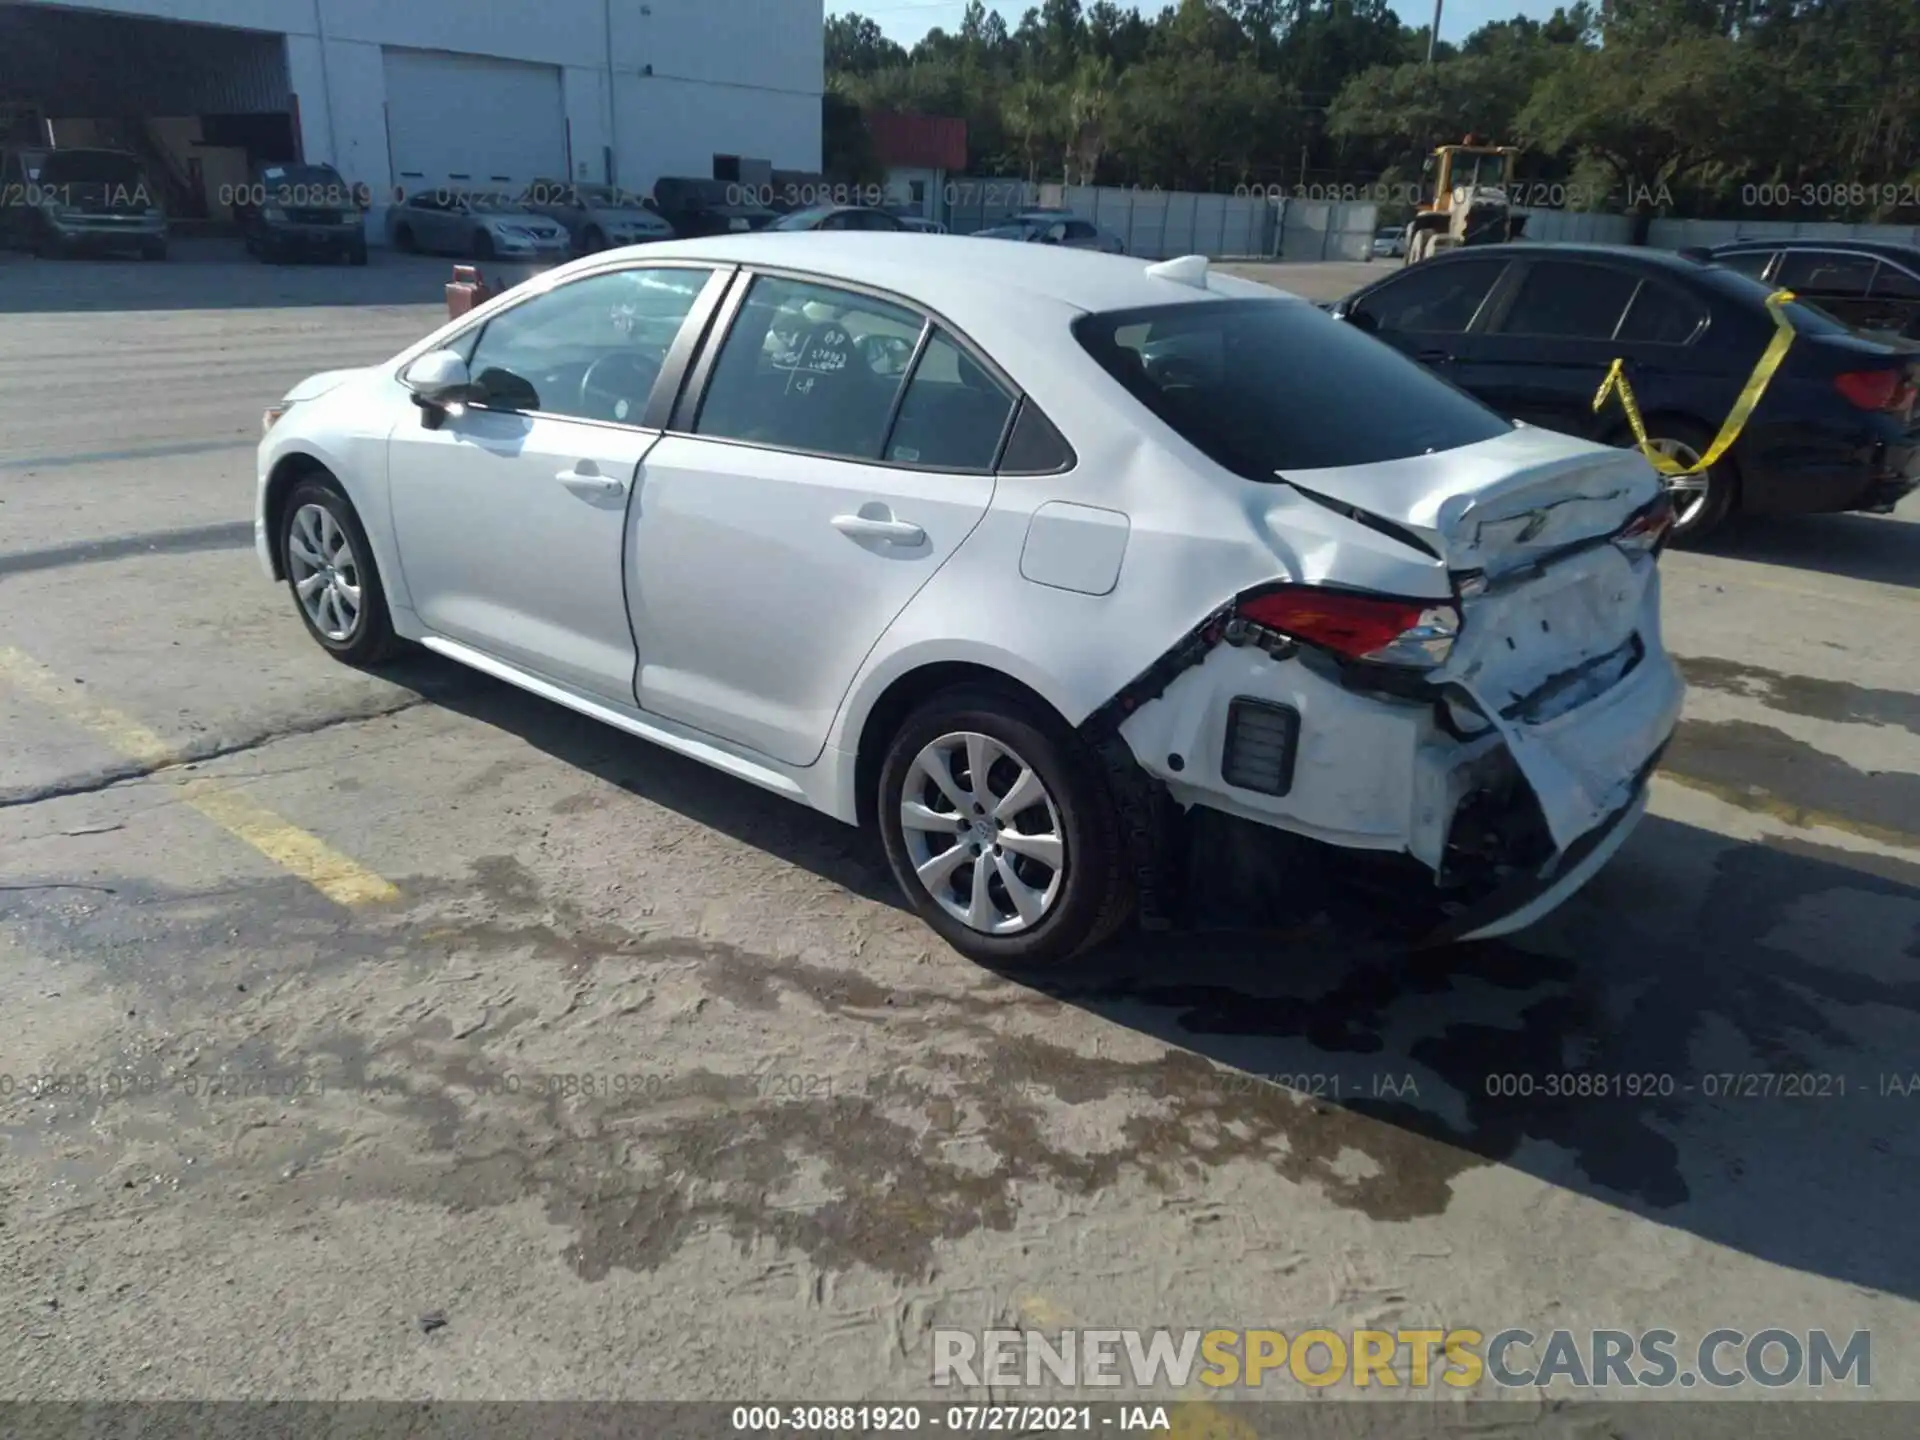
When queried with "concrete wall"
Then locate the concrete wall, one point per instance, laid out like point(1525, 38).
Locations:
point(689, 78)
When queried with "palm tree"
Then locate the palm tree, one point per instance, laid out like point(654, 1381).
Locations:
point(1087, 104)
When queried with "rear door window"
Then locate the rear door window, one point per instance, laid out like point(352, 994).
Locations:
point(953, 414)
point(810, 367)
point(1564, 301)
point(1433, 299)
point(1660, 315)
point(1264, 387)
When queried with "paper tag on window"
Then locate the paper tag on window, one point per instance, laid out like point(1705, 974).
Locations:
point(902, 452)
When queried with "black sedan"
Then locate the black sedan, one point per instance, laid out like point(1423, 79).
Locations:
point(839, 217)
point(1870, 284)
point(1533, 329)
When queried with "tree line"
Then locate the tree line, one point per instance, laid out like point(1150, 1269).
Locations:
point(1780, 109)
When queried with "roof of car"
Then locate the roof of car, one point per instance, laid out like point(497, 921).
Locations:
point(957, 275)
point(1537, 249)
point(1887, 249)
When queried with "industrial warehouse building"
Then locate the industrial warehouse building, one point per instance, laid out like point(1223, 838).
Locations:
point(406, 95)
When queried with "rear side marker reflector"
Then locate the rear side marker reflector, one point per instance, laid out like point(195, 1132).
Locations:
point(1261, 742)
point(1378, 628)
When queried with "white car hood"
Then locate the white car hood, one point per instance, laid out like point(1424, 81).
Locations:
point(1498, 505)
point(314, 386)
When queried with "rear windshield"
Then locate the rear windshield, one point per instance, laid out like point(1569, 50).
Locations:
point(1267, 386)
point(90, 167)
point(1806, 319)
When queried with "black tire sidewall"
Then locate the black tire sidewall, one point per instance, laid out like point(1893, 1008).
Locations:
point(483, 246)
point(374, 640)
point(1094, 887)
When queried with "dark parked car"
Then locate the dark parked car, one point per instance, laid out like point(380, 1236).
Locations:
point(302, 212)
point(1870, 284)
point(1532, 329)
point(710, 207)
point(838, 217)
point(70, 202)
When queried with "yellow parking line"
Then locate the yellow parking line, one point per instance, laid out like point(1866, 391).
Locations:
point(344, 881)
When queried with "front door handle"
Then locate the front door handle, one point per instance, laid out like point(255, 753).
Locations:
point(590, 483)
point(1432, 357)
point(870, 527)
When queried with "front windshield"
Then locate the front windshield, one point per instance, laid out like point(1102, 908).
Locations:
point(90, 167)
point(305, 186)
point(605, 197)
point(799, 220)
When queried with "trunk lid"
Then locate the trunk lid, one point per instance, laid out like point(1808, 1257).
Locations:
point(1550, 620)
point(1498, 506)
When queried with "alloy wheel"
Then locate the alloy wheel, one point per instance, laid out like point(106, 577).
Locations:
point(325, 572)
point(1689, 493)
point(983, 834)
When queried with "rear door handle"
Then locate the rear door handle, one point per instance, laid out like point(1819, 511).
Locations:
point(590, 483)
point(1432, 357)
point(867, 527)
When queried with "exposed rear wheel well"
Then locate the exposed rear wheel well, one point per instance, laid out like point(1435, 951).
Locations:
point(905, 695)
point(289, 472)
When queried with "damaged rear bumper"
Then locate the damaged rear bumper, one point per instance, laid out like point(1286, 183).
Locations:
point(1442, 824)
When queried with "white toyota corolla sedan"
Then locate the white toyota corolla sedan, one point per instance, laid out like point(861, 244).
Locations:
point(1032, 558)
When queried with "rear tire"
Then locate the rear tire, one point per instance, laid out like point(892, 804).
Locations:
point(154, 251)
point(1700, 503)
point(594, 241)
point(403, 240)
point(321, 542)
point(1062, 853)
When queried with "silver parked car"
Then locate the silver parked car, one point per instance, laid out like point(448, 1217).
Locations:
point(1390, 243)
point(1053, 227)
point(597, 217)
point(476, 223)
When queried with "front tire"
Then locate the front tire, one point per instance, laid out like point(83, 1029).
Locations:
point(332, 576)
point(483, 246)
point(1001, 830)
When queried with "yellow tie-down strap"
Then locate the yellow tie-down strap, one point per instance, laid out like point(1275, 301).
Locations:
point(1736, 420)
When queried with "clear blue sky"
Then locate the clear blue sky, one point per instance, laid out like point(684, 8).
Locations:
point(907, 20)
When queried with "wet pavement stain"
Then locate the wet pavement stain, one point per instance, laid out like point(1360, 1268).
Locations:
point(957, 1114)
point(1803, 694)
point(1759, 768)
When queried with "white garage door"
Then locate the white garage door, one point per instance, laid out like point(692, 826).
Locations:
point(473, 122)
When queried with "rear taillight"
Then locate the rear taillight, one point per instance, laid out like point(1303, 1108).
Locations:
point(1377, 628)
point(1648, 530)
point(1876, 389)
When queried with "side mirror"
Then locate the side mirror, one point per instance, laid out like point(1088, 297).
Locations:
point(437, 379)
